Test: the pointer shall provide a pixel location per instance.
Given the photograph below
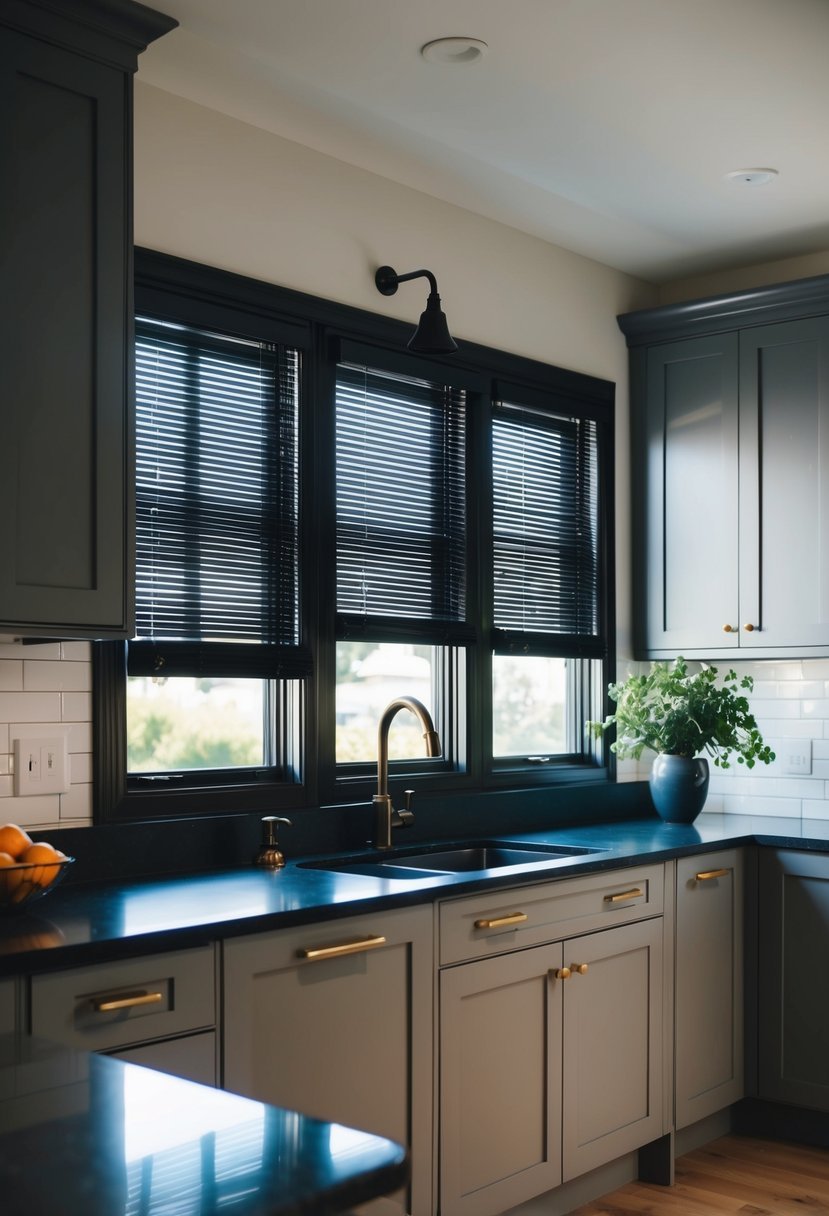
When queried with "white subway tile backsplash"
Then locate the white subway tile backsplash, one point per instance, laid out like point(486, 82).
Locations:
point(29, 706)
point(32, 812)
point(815, 709)
point(791, 728)
point(11, 675)
point(816, 809)
point(61, 675)
point(774, 707)
point(77, 804)
point(784, 808)
point(16, 650)
point(6, 791)
point(76, 650)
point(76, 706)
point(79, 736)
point(80, 768)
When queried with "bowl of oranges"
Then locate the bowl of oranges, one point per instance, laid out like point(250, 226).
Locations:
point(28, 868)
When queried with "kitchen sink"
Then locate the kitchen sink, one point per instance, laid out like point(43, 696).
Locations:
point(468, 858)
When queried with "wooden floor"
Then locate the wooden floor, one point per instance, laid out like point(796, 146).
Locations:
point(732, 1175)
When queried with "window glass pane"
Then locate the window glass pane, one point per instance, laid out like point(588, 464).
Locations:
point(529, 702)
point(188, 723)
point(369, 676)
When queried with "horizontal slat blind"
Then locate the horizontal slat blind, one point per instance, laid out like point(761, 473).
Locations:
point(217, 494)
point(545, 527)
point(401, 504)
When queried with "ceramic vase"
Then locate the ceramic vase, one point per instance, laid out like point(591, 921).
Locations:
point(679, 787)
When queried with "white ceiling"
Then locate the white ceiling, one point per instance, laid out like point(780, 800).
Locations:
point(604, 126)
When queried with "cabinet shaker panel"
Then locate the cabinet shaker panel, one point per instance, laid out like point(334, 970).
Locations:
point(687, 478)
point(794, 978)
point(784, 484)
point(709, 984)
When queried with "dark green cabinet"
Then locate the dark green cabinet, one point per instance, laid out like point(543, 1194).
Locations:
point(730, 477)
point(794, 978)
point(65, 314)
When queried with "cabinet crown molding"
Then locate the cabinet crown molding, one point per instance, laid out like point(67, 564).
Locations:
point(719, 314)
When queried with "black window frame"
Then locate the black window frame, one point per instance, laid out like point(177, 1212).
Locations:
point(168, 286)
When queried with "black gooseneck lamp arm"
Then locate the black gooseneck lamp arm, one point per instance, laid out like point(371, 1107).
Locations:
point(432, 335)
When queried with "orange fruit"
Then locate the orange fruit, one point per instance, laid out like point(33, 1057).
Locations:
point(44, 861)
point(11, 878)
point(14, 840)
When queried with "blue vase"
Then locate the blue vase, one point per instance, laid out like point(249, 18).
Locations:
point(679, 787)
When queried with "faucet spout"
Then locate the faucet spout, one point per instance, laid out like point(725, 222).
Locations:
point(387, 816)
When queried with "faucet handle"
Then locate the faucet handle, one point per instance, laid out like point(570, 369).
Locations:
point(406, 816)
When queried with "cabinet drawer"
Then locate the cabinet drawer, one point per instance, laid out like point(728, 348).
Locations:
point(116, 1004)
point(192, 1057)
point(483, 925)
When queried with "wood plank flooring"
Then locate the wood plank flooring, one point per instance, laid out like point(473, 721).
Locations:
point(735, 1175)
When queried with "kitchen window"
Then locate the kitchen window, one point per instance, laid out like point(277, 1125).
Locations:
point(325, 521)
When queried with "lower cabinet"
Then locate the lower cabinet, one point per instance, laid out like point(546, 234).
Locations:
point(335, 1020)
point(709, 1048)
point(158, 1011)
point(8, 1006)
point(794, 978)
point(550, 1057)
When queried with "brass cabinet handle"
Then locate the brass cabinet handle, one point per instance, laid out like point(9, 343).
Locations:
point(728, 629)
point(560, 973)
point(749, 628)
point(127, 1000)
point(579, 968)
point(707, 875)
point(356, 946)
point(634, 893)
point(498, 922)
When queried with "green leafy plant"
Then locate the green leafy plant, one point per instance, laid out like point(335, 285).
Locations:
point(670, 711)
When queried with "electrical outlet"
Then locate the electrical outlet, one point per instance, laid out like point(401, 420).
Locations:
point(796, 757)
point(41, 765)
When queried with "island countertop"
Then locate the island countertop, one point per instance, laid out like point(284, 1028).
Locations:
point(92, 922)
point(88, 1135)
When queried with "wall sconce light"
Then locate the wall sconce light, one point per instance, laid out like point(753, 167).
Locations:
point(432, 336)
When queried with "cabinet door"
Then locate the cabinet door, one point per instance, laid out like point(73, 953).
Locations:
point(64, 305)
point(784, 485)
point(500, 1081)
point(794, 978)
point(686, 448)
point(612, 1045)
point(709, 984)
point(343, 1036)
point(192, 1057)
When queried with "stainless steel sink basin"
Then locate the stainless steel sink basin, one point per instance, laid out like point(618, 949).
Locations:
point(468, 858)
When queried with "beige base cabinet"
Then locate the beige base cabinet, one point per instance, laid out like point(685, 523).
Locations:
point(158, 1011)
point(550, 1056)
point(709, 984)
point(335, 1020)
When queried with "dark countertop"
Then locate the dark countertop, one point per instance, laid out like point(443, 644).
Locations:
point(92, 922)
point(87, 1135)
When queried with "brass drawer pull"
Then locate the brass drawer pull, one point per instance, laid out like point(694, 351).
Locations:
point(561, 973)
point(579, 968)
point(707, 875)
point(498, 922)
point(634, 893)
point(357, 946)
point(128, 1000)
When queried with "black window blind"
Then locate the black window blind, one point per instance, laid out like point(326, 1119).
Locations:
point(545, 531)
point(401, 506)
point(216, 504)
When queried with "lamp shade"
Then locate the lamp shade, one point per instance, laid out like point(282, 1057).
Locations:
point(432, 336)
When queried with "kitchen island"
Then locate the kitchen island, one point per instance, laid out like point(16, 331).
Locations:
point(87, 1135)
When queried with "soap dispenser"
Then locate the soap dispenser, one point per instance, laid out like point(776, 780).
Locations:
point(270, 855)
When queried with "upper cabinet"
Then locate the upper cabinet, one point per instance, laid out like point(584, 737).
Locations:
point(731, 474)
point(66, 549)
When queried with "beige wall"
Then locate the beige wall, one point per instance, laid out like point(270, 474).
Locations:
point(744, 278)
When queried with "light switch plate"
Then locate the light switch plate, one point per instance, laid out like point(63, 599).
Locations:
point(796, 757)
point(41, 765)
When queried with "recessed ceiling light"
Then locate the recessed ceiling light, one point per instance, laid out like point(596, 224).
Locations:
point(751, 177)
point(454, 50)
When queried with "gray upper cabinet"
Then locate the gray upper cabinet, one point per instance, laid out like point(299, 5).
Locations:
point(65, 313)
point(730, 469)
